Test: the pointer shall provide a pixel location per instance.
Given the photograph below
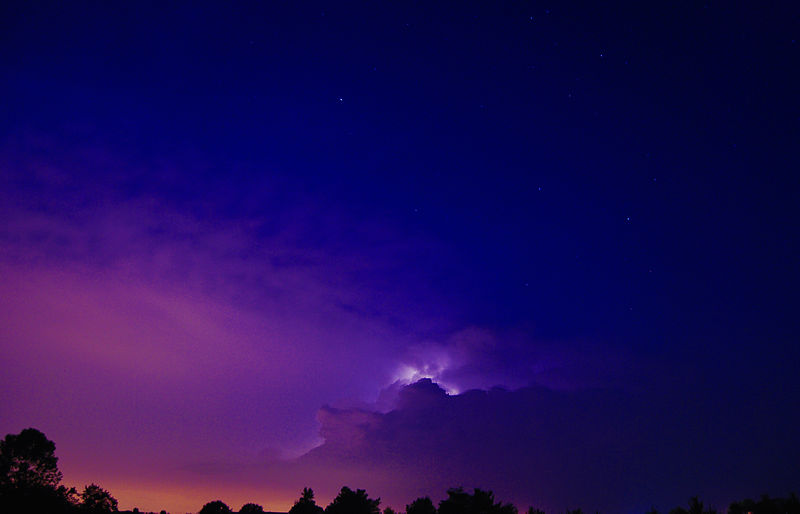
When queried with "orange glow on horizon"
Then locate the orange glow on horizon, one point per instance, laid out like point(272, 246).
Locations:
point(184, 498)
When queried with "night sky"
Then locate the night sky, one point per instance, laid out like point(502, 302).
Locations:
point(544, 249)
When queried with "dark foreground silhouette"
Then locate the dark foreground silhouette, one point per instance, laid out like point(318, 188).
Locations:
point(30, 483)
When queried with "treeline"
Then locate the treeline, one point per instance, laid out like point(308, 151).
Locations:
point(459, 501)
point(30, 483)
point(30, 480)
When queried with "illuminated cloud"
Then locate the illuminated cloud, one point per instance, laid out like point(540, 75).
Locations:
point(189, 340)
point(290, 343)
point(604, 449)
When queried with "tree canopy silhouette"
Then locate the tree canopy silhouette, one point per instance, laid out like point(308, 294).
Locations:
point(215, 507)
point(422, 505)
point(353, 502)
point(767, 505)
point(306, 503)
point(695, 507)
point(29, 476)
point(28, 460)
point(251, 508)
point(97, 500)
point(459, 501)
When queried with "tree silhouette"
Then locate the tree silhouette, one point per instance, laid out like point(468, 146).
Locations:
point(306, 503)
point(29, 476)
point(251, 508)
point(353, 502)
point(767, 505)
point(29, 484)
point(95, 499)
point(695, 507)
point(28, 460)
point(215, 507)
point(479, 502)
point(422, 505)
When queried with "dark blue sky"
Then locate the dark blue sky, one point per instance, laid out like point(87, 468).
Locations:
point(609, 187)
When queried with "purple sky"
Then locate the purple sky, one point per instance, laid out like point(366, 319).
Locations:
point(545, 250)
point(150, 341)
point(177, 359)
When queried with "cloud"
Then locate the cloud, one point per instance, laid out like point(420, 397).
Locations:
point(595, 448)
point(193, 327)
point(528, 445)
point(200, 328)
point(478, 358)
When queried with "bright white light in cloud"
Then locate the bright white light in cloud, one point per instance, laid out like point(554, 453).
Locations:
point(407, 374)
point(432, 365)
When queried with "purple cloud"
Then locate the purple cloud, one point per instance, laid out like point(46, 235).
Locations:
point(140, 333)
point(595, 448)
